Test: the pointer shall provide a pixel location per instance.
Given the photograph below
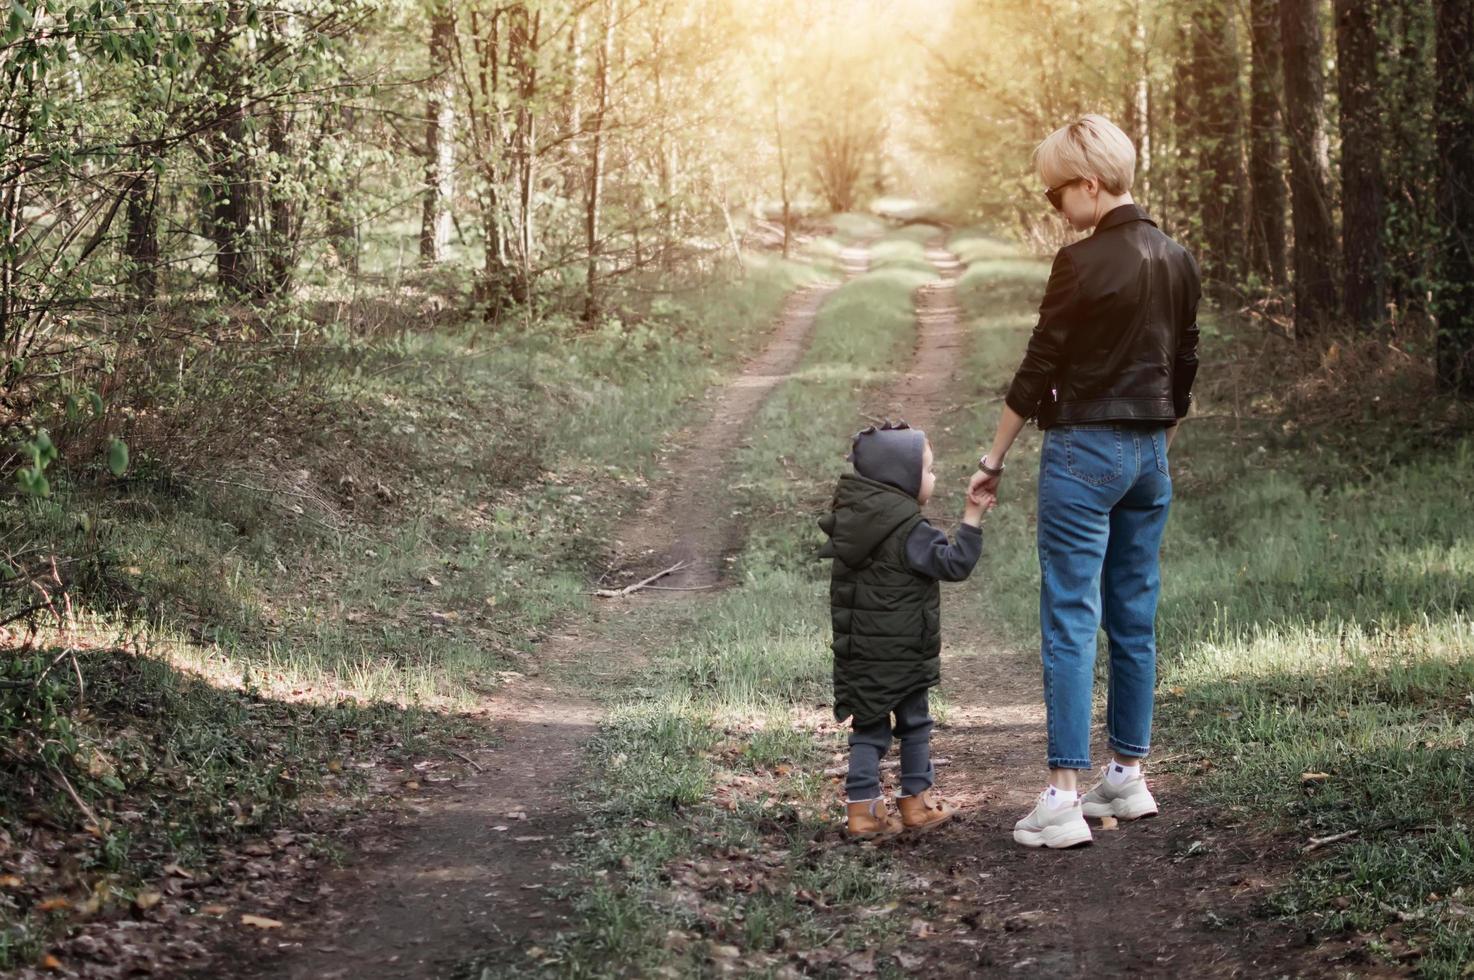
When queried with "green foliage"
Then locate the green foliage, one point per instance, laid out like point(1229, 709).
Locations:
point(32, 479)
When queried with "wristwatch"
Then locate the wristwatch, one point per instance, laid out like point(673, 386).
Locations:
point(990, 470)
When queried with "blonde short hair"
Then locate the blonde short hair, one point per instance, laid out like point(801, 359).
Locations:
point(1091, 146)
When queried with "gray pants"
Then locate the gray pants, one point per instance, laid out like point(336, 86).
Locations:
point(869, 744)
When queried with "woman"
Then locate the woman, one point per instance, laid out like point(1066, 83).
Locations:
point(1107, 375)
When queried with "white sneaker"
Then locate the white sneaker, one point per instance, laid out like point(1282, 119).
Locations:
point(1062, 827)
point(1130, 800)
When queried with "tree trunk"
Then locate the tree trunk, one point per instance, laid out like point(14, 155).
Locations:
point(1406, 91)
point(573, 171)
point(1361, 162)
point(1219, 127)
point(591, 305)
point(282, 215)
point(490, 132)
point(1137, 105)
point(342, 229)
point(522, 48)
point(1454, 286)
point(1266, 149)
point(1180, 215)
point(141, 243)
point(664, 154)
point(782, 168)
point(440, 121)
point(1315, 239)
point(228, 216)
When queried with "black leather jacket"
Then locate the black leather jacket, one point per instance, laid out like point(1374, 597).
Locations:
point(1117, 338)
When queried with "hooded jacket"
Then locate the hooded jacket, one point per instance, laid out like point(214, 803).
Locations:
point(887, 616)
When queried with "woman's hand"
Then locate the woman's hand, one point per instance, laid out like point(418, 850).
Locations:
point(981, 486)
point(1010, 424)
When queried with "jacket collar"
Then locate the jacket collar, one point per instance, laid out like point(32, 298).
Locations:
point(1121, 215)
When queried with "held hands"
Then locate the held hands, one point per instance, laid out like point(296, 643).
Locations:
point(977, 505)
point(983, 485)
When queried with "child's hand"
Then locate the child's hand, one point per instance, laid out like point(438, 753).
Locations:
point(978, 504)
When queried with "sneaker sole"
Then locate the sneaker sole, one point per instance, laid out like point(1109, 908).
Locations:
point(1057, 841)
point(1098, 810)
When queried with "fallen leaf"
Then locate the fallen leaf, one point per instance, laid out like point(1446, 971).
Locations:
point(1108, 823)
point(411, 784)
point(1308, 778)
point(10, 881)
point(260, 922)
point(49, 962)
point(147, 899)
point(54, 904)
point(213, 910)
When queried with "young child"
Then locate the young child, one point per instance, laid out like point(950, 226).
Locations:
point(886, 606)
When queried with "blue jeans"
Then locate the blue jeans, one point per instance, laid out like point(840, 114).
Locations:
point(1104, 491)
point(870, 743)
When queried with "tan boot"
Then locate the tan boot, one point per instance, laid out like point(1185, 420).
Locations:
point(872, 818)
point(924, 811)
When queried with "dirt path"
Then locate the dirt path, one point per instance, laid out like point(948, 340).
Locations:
point(921, 396)
point(1168, 897)
point(466, 866)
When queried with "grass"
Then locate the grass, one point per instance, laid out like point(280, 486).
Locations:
point(1313, 620)
point(248, 632)
point(714, 824)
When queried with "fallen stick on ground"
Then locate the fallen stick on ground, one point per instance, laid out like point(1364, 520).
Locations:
point(887, 764)
point(1317, 842)
point(632, 589)
point(467, 759)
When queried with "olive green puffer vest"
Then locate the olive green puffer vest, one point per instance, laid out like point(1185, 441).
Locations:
point(887, 618)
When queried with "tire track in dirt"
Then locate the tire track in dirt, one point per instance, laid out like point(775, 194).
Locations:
point(1167, 897)
point(708, 534)
point(465, 870)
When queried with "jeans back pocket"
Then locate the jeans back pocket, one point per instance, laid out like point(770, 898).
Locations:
point(1093, 453)
point(1159, 449)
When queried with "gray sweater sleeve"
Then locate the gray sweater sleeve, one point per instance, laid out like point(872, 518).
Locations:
point(929, 553)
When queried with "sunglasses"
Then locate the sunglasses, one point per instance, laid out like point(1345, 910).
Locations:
point(1056, 194)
